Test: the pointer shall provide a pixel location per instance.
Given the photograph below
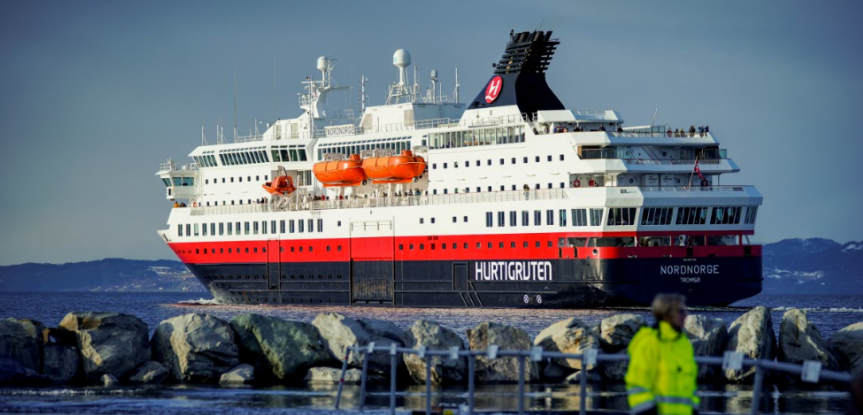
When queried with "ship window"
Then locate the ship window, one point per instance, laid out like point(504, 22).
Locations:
point(501, 219)
point(454, 219)
point(223, 179)
point(500, 245)
point(232, 179)
point(320, 225)
point(401, 247)
point(490, 245)
point(444, 165)
point(188, 230)
point(501, 161)
point(525, 218)
point(501, 188)
point(549, 157)
point(422, 220)
point(310, 248)
point(465, 219)
point(489, 162)
point(301, 224)
point(751, 213)
point(524, 160)
point(595, 217)
point(434, 192)
point(256, 250)
point(311, 225)
point(339, 223)
point(489, 188)
point(180, 230)
point(291, 226)
point(621, 216)
point(204, 230)
point(550, 244)
point(537, 186)
point(579, 217)
point(411, 246)
point(561, 157)
point(445, 191)
point(255, 227)
point(691, 215)
point(230, 228)
point(537, 159)
point(478, 164)
point(513, 218)
point(563, 217)
point(230, 250)
point(513, 160)
point(281, 226)
point(247, 250)
point(549, 217)
point(247, 227)
point(292, 250)
point(537, 218)
point(725, 215)
point(524, 245)
point(656, 216)
point(434, 166)
point(467, 163)
point(221, 228)
point(197, 251)
point(240, 179)
point(432, 220)
point(207, 181)
point(488, 220)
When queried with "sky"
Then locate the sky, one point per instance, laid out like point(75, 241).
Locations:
point(95, 94)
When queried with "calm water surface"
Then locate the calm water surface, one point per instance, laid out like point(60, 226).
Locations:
point(829, 313)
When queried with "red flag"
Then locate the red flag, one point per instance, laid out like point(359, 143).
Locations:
point(698, 170)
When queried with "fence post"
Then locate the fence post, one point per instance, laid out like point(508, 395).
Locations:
point(428, 384)
point(756, 388)
point(342, 378)
point(363, 379)
point(471, 388)
point(582, 392)
point(520, 384)
point(393, 364)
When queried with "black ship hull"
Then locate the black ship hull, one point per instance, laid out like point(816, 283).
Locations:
point(558, 283)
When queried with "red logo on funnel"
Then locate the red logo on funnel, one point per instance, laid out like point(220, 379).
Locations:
point(492, 91)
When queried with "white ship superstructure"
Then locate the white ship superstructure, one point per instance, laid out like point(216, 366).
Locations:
point(508, 200)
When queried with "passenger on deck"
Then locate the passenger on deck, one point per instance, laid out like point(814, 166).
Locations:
point(602, 127)
point(669, 132)
point(692, 131)
point(176, 204)
point(619, 129)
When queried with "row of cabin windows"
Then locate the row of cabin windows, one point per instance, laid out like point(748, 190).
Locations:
point(488, 162)
point(252, 228)
point(454, 220)
point(254, 250)
point(239, 157)
point(357, 148)
point(477, 137)
point(502, 188)
point(651, 216)
point(466, 245)
point(284, 154)
point(239, 179)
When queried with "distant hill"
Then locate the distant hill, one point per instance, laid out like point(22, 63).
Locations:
point(112, 274)
point(791, 266)
point(813, 266)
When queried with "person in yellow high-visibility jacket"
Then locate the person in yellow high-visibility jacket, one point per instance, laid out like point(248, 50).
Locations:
point(662, 374)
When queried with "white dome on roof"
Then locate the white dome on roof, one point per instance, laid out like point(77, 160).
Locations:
point(323, 62)
point(402, 58)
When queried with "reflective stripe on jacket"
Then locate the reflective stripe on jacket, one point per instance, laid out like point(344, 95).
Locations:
point(662, 372)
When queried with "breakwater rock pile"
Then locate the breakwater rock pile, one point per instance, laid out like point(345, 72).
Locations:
point(112, 349)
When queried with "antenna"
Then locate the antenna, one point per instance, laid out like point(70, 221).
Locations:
point(457, 85)
point(653, 121)
point(363, 80)
point(235, 103)
point(274, 87)
point(203, 137)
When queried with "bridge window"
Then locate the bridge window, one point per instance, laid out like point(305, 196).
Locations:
point(725, 215)
point(691, 215)
point(595, 217)
point(751, 212)
point(656, 216)
point(621, 216)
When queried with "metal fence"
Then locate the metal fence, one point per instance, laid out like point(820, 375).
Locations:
point(809, 371)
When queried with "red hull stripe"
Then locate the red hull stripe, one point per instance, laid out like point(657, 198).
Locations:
point(428, 248)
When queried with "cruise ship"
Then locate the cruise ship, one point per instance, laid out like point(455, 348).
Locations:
point(506, 200)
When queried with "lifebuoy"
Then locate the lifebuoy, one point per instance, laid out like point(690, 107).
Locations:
point(592, 183)
point(194, 204)
point(576, 183)
point(705, 183)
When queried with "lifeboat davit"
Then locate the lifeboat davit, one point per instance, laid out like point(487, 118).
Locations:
point(280, 185)
point(340, 173)
point(394, 169)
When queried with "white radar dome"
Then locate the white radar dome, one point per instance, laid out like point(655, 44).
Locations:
point(434, 74)
point(323, 63)
point(402, 58)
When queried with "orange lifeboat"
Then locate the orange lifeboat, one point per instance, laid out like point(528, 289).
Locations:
point(339, 173)
point(394, 169)
point(280, 185)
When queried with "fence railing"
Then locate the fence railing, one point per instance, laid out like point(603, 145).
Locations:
point(809, 371)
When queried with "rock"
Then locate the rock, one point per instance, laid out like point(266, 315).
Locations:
point(553, 372)
point(150, 373)
point(708, 337)
point(59, 362)
point(276, 347)
point(848, 344)
point(751, 334)
point(575, 378)
point(20, 340)
point(503, 369)
point(331, 375)
point(339, 332)
point(618, 330)
point(385, 329)
point(800, 340)
point(240, 375)
point(109, 381)
point(196, 348)
point(568, 336)
point(108, 343)
point(614, 370)
point(433, 336)
point(13, 373)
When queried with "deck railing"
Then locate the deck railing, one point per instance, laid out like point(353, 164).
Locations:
point(809, 371)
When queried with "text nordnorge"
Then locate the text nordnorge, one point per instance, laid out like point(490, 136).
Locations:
point(688, 269)
point(513, 271)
